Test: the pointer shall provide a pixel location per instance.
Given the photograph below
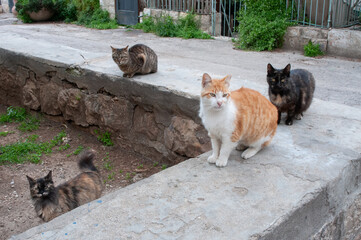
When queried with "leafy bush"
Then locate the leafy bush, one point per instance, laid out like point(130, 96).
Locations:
point(165, 26)
point(262, 25)
point(98, 19)
point(312, 50)
point(82, 12)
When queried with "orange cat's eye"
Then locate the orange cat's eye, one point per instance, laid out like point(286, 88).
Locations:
point(273, 80)
point(212, 94)
point(282, 80)
point(225, 95)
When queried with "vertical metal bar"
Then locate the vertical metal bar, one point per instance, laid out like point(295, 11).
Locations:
point(229, 17)
point(234, 15)
point(304, 13)
point(212, 16)
point(323, 13)
point(298, 11)
point(224, 19)
point(198, 7)
point(309, 22)
point(316, 13)
point(292, 11)
point(329, 15)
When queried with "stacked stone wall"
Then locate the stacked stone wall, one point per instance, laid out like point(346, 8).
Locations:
point(152, 120)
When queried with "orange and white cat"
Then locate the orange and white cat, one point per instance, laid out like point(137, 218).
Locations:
point(243, 118)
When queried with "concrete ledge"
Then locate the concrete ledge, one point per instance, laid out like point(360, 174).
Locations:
point(297, 188)
point(287, 191)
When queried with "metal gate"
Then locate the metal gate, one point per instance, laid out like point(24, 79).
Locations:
point(127, 12)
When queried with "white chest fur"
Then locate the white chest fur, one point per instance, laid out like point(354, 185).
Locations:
point(219, 122)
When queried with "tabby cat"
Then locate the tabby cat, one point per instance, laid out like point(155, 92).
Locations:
point(290, 91)
point(50, 201)
point(139, 59)
point(242, 118)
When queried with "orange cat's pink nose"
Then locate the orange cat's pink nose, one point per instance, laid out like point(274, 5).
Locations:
point(219, 104)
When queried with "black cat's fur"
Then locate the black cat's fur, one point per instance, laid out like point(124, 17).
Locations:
point(50, 201)
point(290, 91)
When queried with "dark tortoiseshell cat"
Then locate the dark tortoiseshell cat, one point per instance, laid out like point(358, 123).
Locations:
point(139, 59)
point(290, 91)
point(50, 201)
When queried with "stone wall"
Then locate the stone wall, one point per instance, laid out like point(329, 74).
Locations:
point(335, 42)
point(154, 121)
point(108, 5)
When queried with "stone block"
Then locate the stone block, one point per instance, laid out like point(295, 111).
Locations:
point(49, 98)
point(346, 43)
point(181, 137)
point(144, 122)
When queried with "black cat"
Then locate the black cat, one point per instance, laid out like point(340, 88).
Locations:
point(290, 91)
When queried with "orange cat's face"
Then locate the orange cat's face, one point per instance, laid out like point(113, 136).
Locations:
point(215, 93)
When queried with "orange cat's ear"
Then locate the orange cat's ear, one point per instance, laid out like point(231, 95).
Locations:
point(206, 80)
point(227, 80)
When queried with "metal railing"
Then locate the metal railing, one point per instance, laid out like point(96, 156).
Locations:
point(317, 13)
point(325, 13)
point(196, 6)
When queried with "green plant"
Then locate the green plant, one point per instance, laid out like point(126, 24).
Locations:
point(108, 166)
point(104, 138)
point(140, 166)
point(165, 26)
point(4, 134)
point(128, 176)
point(312, 50)
point(28, 150)
point(82, 12)
point(25, 6)
point(76, 151)
point(155, 164)
point(262, 25)
point(164, 166)
point(111, 176)
point(18, 114)
point(98, 18)
point(64, 147)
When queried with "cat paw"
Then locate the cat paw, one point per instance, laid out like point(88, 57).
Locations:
point(221, 162)
point(241, 147)
point(212, 159)
point(299, 116)
point(249, 152)
point(289, 122)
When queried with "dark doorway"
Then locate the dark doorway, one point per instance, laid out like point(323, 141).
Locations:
point(127, 12)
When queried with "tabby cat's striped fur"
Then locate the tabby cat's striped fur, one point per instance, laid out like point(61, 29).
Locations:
point(139, 59)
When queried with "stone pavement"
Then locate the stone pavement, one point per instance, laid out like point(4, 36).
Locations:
point(299, 186)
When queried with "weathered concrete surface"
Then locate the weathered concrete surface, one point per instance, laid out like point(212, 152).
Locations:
point(334, 42)
point(290, 190)
point(344, 43)
point(287, 191)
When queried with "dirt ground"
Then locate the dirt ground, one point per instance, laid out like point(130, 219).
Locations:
point(119, 167)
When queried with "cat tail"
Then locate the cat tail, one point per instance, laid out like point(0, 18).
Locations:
point(86, 161)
